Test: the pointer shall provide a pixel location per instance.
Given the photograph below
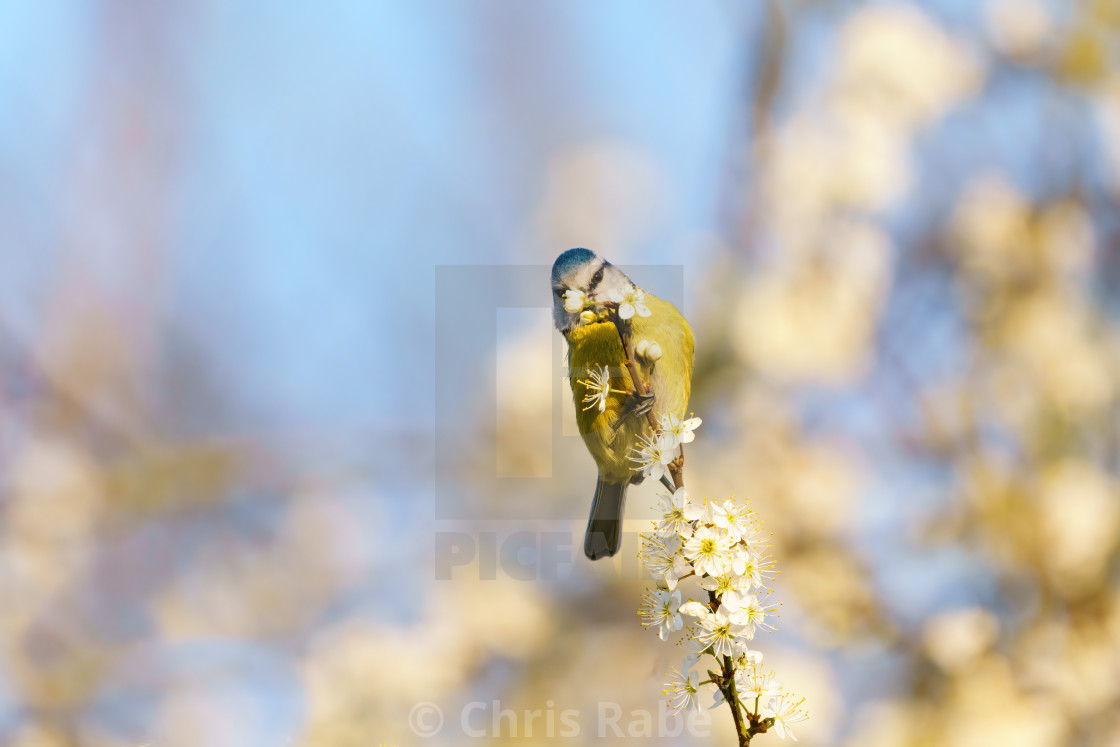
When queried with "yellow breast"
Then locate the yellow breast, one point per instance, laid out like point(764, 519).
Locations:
point(592, 346)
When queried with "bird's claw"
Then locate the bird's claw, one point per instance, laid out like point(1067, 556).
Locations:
point(635, 404)
point(644, 403)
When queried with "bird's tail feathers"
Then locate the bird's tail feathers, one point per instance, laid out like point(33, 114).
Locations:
point(604, 527)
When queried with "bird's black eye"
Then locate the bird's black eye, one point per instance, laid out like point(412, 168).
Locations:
point(560, 292)
point(598, 276)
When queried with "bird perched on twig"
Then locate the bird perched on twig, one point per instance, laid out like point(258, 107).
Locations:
point(612, 412)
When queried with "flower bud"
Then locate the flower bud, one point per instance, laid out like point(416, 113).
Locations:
point(694, 609)
point(653, 352)
point(640, 348)
point(588, 317)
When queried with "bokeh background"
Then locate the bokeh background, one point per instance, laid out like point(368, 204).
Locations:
point(893, 226)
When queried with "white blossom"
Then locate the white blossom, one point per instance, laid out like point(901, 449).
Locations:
point(785, 711)
point(654, 456)
point(725, 583)
point(598, 388)
point(678, 570)
point(749, 658)
point(746, 610)
point(760, 688)
point(740, 526)
point(659, 554)
point(694, 648)
point(742, 649)
point(660, 609)
point(574, 300)
point(716, 541)
point(683, 687)
point(717, 631)
point(630, 301)
point(709, 512)
point(672, 508)
point(695, 609)
point(751, 565)
point(709, 551)
point(682, 430)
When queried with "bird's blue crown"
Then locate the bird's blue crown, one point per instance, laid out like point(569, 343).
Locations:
point(569, 260)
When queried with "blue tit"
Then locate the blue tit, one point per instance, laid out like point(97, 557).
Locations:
point(612, 427)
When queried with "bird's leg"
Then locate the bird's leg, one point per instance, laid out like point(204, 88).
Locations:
point(668, 483)
point(635, 404)
point(640, 401)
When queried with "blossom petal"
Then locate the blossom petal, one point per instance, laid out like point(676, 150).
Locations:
point(693, 609)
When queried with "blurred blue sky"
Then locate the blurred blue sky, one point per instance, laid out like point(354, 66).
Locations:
point(320, 164)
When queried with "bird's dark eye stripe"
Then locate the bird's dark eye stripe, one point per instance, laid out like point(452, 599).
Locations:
point(595, 280)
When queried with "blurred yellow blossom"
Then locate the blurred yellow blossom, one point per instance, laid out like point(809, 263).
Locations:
point(1079, 516)
point(1056, 342)
point(954, 640)
point(815, 320)
point(987, 707)
point(54, 497)
point(896, 59)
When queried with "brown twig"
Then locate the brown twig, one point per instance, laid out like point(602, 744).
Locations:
point(676, 469)
point(745, 729)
